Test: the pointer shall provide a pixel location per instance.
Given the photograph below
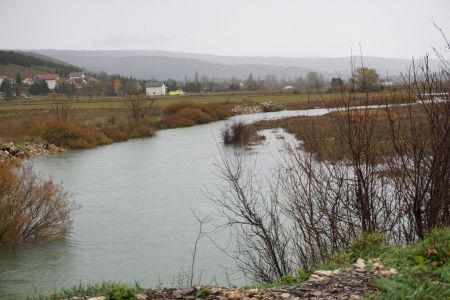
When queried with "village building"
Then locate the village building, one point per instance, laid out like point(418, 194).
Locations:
point(28, 81)
point(77, 76)
point(11, 80)
point(155, 88)
point(50, 79)
point(78, 79)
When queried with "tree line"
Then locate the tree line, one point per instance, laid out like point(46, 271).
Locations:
point(101, 84)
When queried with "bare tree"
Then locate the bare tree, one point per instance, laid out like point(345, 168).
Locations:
point(139, 107)
point(420, 136)
point(255, 220)
point(392, 176)
point(62, 108)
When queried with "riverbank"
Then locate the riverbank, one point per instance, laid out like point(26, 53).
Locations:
point(10, 150)
point(348, 283)
point(368, 269)
point(102, 120)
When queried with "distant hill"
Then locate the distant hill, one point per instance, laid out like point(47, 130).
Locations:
point(146, 64)
point(29, 64)
point(164, 67)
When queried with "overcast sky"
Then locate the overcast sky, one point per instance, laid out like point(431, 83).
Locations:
point(333, 28)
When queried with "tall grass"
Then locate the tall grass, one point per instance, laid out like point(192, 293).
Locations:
point(236, 133)
point(188, 114)
point(70, 135)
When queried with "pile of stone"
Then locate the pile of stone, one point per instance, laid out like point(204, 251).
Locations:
point(351, 283)
point(11, 150)
point(246, 109)
point(268, 106)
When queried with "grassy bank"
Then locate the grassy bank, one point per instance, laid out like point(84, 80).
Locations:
point(97, 121)
point(324, 137)
point(422, 271)
point(423, 267)
point(88, 128)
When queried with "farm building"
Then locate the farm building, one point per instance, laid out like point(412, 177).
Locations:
point(51, 79)
point(28, 81)
point(155, 88)
point(11, 80)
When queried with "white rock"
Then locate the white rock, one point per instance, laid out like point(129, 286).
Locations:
point(337, 271)
point(378, 265)
point(360, 264)
point(324, 273)
point(141, 297)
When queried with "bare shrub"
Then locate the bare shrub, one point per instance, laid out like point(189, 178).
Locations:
point(139, 107)
point(31, 209)
point(422, 148)
point(255, 220)
point(70, 135)
point(393, 179)
point(187, 114)
point(62, 108)
point(235, 133)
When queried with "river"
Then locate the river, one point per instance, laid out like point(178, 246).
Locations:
point(135, 220)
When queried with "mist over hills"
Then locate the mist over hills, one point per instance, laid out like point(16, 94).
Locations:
point(157, 64)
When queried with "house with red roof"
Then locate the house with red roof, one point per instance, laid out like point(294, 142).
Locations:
point(11, 80)
point(28, 81)
point(51, 79)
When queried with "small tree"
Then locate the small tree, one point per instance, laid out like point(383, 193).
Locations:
point(6, 88)
point(314, 81)
point(18, 87)
point(336, 82)
point(250, 83)
point(39, 87)
point(139, 107)
point(62, 108)
point(117, 87)
point(137, 88)
point(365, 79)
point(31, 209)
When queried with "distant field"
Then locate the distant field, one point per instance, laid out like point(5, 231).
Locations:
point(82, 103)
point(19, 116)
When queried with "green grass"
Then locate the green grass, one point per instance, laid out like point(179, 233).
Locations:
point(112, 291)
point(102, 102)
point(423, 267)
point(423, 271)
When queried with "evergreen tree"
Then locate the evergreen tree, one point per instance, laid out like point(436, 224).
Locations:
point(18, 88)
point(39, 87)
point(6, 88)
point(250, 83)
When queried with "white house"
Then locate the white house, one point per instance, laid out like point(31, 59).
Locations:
point(77, 76)
point(11, 80)
point(78, 79)
point(155, 88)
point(51, 79)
